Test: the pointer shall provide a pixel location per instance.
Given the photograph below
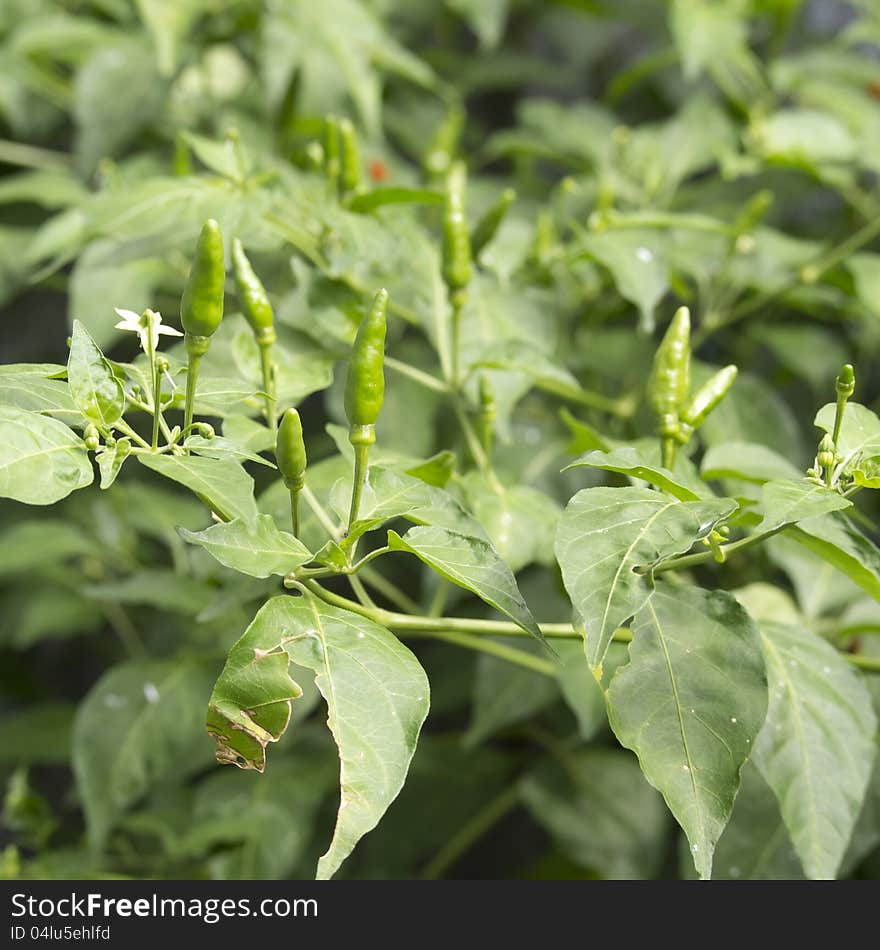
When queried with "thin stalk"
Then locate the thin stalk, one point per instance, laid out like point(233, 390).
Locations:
point(361, 592)
point(456, 344)
point(294, 511)
point(870, 664)
point(126, 429)
point(475, 446)
point(438, 601)
point(29, 156)
point(471, 832)
point(377, 552)
point(422, 378)
point(491, 647)
point(391, 592)
point(692, 560)
point(192, 375)
point(326, 521)
point(669, 451)
point(361, 460)
point(157, 400)
point(268, 384)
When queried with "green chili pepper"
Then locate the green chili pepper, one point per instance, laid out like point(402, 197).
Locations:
point(487, 415)
point(332, 160)
point(255, 304)
point(350, 157)
point(444, 143)
point(365, 392)
point(456, 239)
point(201, 307)
point(365, 385)
point(704, 400)
point(290, 454)
point(669, 384)
point(487, 226)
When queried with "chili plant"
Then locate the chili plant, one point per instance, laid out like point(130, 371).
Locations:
point(508, 471)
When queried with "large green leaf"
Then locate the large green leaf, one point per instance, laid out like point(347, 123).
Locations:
point(221, 483)
point(787, 502)
point(94, 387)
point(817, 745)
point(748, 461)
point(139, 725)
point(41, 459)
point(376, 693)
point(690, 703)
point(859, 436)
point(838, 541)
point(471, 563)
point(605, 533)
point(260, 551)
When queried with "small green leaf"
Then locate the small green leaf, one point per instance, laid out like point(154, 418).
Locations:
point(817, 746)
point(787, 502)
point(690, 703)
point(605, 533)
point(260, 550)
point(41, 459)
point(111, 460)
point(94, 387)
point(471, 563)
point(629, 461)
point(222, 484)
point(221, 448)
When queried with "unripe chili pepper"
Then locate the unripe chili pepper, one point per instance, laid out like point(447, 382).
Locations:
point(365, 392)
point(350, 157)
point(704, 400)
point(456, 239)
point(201, 307)
point(669, 384)
point(444, 143)
point(290, 450)
point(332, 162)
point(365, 384)
point(290, 454)
point(255, 303)
point(487, 226)
point(487, 415)
point(91, 437)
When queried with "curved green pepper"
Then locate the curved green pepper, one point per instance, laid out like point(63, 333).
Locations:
point(350, 159)
point(704, 400)
point(487, 226)
point(290, 450)
point(670, 384)
point(255, 303)
point(201, 306)
point(365, 384)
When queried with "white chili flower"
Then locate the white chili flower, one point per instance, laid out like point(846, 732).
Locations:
point(147, 325)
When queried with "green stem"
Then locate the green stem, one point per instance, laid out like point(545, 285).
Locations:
point(294, 510)
point(29, 156)
point(268, 383)
point(378, 552)
point(669, 451)
point(422, 378)
point(192, 375)
point(361, 461)
point(492, 647)
point(471, 832)
point(122, 426)
point(622, 408)
point(361, 592)
point(456, 344)
point(157, 400)
point(692, 560)
point(326, 521)
point(391, 592)
point(870, 664)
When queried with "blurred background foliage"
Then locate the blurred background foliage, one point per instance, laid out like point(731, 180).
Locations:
point(721, 154)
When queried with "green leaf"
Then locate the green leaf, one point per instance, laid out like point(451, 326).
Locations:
point(111, 460)
point(222, 484)
point(260, 550)
point(637, 267)
point(220, 448)
point(580, 689)
point(471, 563)
point(94, 387)
point(859, 433)
point(839, 542)
point(41, 459)
point(220, 157)
point(40, 542)
point(817, 745)
point(629, 461)
point(690, 703)
point(601, 811)
point(755, 845)
point(40, 733)
point(605, 533)
point(803, 137)
point(51, 396)
point(376, 694)
point(865, 269)
point(155, 587)
point(140, 725)
point(748, 461)
point(787, 502)
point(487, 18)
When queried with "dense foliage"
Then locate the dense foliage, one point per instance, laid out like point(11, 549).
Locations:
point(589, 588)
